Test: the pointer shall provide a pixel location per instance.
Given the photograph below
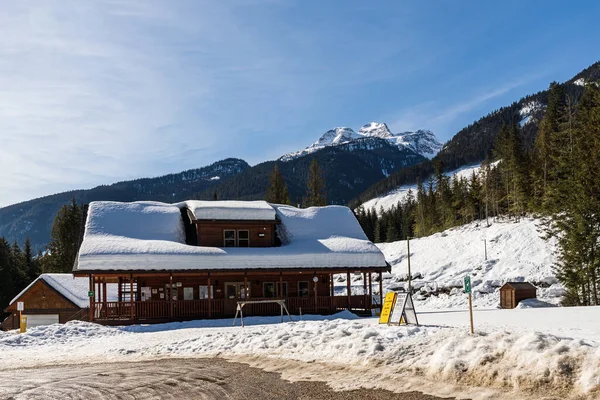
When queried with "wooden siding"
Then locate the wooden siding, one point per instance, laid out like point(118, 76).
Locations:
point(42, 296)
point(210, 234)
point(510, 297)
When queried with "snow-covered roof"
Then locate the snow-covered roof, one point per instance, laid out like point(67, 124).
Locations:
point(151, 238)
point(74, 289)
point(230, 210)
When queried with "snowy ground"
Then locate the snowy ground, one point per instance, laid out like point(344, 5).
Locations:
point(516, 251)
point(508, 354)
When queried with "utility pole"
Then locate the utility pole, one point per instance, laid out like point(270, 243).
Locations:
point(409, 276)
point(485, 248)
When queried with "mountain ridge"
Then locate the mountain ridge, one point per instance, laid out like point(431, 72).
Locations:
point(423, 141)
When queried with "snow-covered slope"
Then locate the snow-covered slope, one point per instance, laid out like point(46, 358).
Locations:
point(386, 201)
point(422, 142)
point(515, 252)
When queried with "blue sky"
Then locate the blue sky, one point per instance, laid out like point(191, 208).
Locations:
point(92, 92)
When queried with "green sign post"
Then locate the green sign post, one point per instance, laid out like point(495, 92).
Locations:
point(467, 284)
point(91, 293)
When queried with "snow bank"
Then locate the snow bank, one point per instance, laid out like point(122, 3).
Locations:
point(365, 353)
point(149, 239)
point(516, 252)
point(74, 289)
point(230, 210)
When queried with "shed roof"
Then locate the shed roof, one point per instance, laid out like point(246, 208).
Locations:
point(73, 289)
point(150, 236)
point(519, 285)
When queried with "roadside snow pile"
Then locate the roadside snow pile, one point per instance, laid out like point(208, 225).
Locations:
point(372, 355)
point(516, 252)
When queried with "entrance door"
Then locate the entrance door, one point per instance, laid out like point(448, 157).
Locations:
point(235, 290)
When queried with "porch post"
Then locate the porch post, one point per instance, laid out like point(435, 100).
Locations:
point(209, 297)
point(104, 291)
point(245, 285)
point(370, 290)
point(315, 287)
point(131, 295)
point(171, 295)
point(120, 298)
point(365, 289)
point(281, 285)
point(91, 298)
point(380, 290)
point(348, 288)
point(331, 289)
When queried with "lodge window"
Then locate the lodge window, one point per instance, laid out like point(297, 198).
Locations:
point(203, 292)
point(243, 238)
point(303, 289)
point(228, 238)
point(268, 289)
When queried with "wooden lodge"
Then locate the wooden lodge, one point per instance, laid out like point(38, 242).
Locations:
point(197, 259)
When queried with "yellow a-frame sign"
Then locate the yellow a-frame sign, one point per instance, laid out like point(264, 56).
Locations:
point(386, 309)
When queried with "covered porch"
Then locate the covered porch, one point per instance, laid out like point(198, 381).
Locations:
point(153, 297)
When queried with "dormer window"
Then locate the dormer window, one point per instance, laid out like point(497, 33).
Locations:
point(233, 238)
point(228, 238)
point(243, 238)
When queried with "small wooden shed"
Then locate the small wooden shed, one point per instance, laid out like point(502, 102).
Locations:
point(50, 299)
point(511, 293)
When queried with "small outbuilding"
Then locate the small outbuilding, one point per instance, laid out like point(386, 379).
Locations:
point(52, 299)
point(513, 292)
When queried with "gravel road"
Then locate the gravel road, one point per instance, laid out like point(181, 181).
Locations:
point(171, 379)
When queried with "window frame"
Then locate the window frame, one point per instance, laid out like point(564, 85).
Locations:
point(307, 289)
point(264, 291)
point(225, 239)
point(245, 239)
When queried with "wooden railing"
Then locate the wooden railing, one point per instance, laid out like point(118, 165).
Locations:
point(143, 310)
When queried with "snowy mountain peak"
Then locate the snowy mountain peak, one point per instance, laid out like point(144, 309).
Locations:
point(336, 136)
point(375, 129)
point(422, 142)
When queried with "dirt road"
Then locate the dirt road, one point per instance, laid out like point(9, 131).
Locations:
point(171, 379)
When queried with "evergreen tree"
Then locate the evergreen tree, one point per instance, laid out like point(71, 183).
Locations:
point(64, 240)
point(315, 195)
point(277, 191)
point(576, 216)
point(32, 266)
point(8, 287)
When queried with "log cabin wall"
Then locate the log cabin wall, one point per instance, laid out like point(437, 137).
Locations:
point(211, 234)
point(42, 296)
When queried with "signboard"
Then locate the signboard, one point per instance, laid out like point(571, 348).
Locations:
point(404, 311)
point(467, 284)
point(23, 324)
point(20, 306)
point(91, 293)
point(398, 308)
point(388, 305)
